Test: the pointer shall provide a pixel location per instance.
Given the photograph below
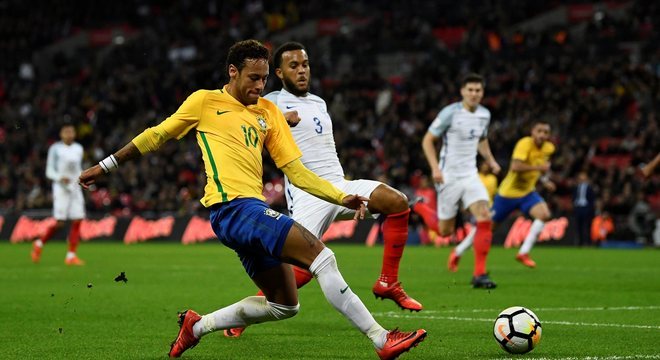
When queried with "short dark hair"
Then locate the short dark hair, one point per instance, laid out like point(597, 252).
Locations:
point(67, 123)
point(246, 49)
point(472, 78)
point(541, 122)
point(287, 46)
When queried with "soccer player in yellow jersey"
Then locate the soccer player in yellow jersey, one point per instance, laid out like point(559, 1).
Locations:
point(489, 180)
point(233, 125)
point(530, 160)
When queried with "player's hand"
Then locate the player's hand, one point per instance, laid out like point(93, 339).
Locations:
point(437, 176)
point(65, 181)
point(550, 186)
point(292, 118)
point(357, 203)
point(89, 176)
point(495, 167)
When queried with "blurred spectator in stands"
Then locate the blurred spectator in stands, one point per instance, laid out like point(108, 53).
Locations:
point(601, 227)
point(584, 199)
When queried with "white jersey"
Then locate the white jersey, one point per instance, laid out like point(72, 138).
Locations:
point(313, 134)
point(64, 161)
point(461, 131)
point(314, 137)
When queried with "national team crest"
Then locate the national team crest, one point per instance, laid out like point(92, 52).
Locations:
point(272, 213)
point(262, 123)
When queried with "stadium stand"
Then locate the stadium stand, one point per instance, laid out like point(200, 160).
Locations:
point(385, 69)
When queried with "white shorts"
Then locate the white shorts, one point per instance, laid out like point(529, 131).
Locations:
point(467, 190)
point(68, 203)
point(315, 214)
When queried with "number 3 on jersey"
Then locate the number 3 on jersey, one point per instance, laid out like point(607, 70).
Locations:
point(251, 136)
point(319, 128)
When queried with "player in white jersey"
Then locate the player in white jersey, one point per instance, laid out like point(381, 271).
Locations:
point(311, 126)
point(463, 127)
point(63, 166)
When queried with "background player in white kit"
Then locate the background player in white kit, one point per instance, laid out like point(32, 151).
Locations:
point(63, 166)
point(311, 127)
point(463, 127)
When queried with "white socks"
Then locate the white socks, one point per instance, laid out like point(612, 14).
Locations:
point(251, 310)
point(70, 255)
point(255, 309)
point(336, 291)
point(466, 243)
point(530, 239)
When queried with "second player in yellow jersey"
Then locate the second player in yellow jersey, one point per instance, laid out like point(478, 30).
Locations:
point(529, 162)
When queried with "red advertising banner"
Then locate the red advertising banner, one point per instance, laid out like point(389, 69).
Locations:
point(27, 229)
point(197, 230)
point(90, 229)
point(141, 229)
point(553, 230)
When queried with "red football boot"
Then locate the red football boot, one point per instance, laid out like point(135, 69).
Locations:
point(186, 338)
point(399, 342)
point(36, 253)
point(526, 260)
point(396, 293)
point(452, 263)
point(233, 332)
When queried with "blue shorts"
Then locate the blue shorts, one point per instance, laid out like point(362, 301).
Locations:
point(256, 232)
point(504, 206)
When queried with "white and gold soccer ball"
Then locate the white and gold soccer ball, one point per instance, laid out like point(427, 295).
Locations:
point(517, 330)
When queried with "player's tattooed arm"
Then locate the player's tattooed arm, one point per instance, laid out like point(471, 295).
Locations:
point(128, 152)
point(89, 176)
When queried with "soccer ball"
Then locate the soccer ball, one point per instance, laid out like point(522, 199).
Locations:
point(517, 330)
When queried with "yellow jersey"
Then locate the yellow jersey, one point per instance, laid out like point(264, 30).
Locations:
point(490, 182)
point(231, 137)
point(518, 184)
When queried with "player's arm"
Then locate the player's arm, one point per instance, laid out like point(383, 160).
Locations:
point(520, 157)
point(521, 166)
point(177, 125)
point(428, 146)
point(647, 170)
point(484, 150)
point(309, 182)
point(438, 127)
point(51, 169)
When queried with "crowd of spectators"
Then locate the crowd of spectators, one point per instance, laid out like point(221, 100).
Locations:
point(597, 82)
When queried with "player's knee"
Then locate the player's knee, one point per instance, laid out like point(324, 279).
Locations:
point(445, 230)
point(545, 216)
point(281, 312)
point(325, 259)
point(399, 202)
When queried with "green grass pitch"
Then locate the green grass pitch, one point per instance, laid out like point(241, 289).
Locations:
point(595, 303)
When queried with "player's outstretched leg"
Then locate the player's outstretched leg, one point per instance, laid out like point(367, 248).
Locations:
point(37, 245)
point(482, 242)
point(302, 277)
point(395, 235)
point(528, 243)
point(388, 344)
point(455, 256)
point(74, 238)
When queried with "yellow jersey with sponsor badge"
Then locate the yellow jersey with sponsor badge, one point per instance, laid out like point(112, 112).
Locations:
point(520, 183)
point(231, 137)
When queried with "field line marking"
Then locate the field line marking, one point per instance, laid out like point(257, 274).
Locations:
point(592, 308)
point(433, 317)
point(615, 357)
